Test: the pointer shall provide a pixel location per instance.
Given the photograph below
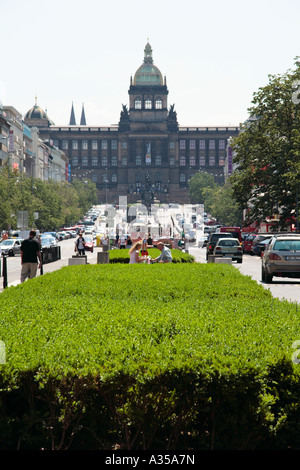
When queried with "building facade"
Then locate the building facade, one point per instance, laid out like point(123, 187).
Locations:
point(147, 157)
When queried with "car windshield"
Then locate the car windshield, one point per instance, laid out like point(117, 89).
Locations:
point(7, 242)
point(287, 245)
point(228, 242)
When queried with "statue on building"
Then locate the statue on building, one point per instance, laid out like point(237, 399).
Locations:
point(124, 124)
point(172, 119)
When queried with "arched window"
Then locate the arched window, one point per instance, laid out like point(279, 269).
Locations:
point(114, 161)
point(104, 161)
point(114, 178)
point(138, 103)
point(182, 177)
point(104, 178)
point(192, 160)
point(148, 103)
point(138, 160)
point(158, 103)
point(202, 161)
point(94, 178)
point(84, 161)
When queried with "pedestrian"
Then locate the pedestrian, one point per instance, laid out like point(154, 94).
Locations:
point(149, 240)
point(80, 245)
point(105, 243)
point(30, 256)
point(129, 242)
point(122, 241)
point(165, 255)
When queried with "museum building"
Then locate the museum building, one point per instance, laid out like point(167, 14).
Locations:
point(147, 156)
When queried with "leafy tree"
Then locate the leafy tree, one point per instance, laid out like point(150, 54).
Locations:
point(267, 153)
point(198, 184)
point(57, 203)
point(221, 205)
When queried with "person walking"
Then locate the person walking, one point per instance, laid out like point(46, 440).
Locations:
point(122, 241)
point(31, 257)
point(80, 245)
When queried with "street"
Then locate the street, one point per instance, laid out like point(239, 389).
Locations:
point(251, 266)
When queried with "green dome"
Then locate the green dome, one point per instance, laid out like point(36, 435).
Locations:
point(36, 113)
point(148, 73)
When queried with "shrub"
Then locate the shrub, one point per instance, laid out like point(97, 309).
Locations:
point(176, 356)
point(122, 256)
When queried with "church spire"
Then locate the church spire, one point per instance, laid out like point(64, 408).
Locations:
point(72, 117)
point(82, 119)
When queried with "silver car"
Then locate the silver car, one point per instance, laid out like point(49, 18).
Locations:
point(281, 257)
point(11, 246)
point(229, 247)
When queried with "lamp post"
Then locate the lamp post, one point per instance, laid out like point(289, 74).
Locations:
point(296, 101)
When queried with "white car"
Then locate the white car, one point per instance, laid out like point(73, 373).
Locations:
point(47, 241)
point(229, 247)
point(11, 246)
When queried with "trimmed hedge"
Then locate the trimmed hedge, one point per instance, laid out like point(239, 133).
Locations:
point(176, 356)
point(122, 256)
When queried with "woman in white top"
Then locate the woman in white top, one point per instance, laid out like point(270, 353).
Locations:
point(134, 253)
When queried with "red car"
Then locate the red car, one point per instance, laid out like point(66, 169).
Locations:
point(89, 244)
point(247, 243)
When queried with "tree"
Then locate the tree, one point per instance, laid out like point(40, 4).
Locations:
point(267, 155)
point(221, 205)
point(198, 184)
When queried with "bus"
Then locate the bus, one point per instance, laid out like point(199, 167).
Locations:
point(235, 231)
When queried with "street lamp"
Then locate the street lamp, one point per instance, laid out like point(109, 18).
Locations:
point(296, 101)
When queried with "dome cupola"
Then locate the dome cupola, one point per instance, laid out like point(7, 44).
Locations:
point(148, 73)
point(36, 116)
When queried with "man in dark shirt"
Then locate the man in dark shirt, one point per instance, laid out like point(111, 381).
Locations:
point(30, 256)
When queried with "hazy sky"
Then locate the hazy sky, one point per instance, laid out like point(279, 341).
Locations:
point(214, 54)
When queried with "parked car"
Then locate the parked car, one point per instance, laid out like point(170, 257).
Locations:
point(11, 246)
point(89, 244)
point(213, 238)
point(230, 248)
point(52, 234)
point(47, 241)
point(248, 241)
point(281, 257)
point(259, 246)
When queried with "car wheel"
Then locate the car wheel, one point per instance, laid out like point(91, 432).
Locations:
point(265, 277)
point(268, 278)
point(11, 253)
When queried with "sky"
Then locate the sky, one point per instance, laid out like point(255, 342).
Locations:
point(214, 54)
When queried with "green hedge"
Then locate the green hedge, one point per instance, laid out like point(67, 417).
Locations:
point(122, 256)
point(176, 356)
